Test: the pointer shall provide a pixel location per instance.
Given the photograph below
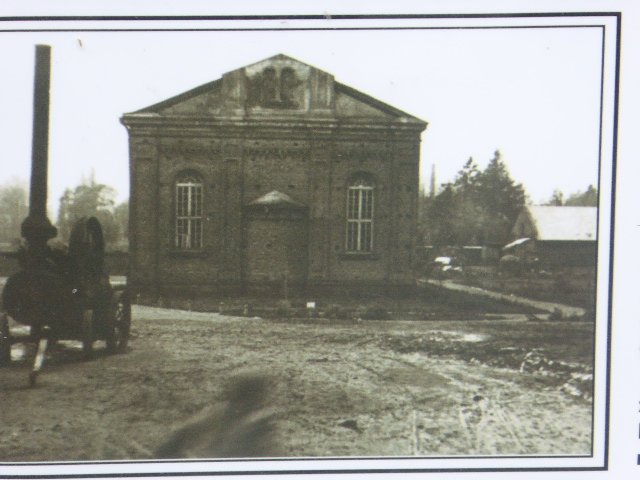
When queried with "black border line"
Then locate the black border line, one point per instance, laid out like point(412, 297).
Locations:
point(616, 15)
point(614, 169)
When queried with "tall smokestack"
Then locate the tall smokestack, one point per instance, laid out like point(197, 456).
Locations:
point(37, 228)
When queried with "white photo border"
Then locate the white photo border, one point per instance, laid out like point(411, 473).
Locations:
point(609, 22)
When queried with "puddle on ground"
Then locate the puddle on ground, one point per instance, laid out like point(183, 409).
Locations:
point(473, 337)
point(454, 336)
point(414, 376)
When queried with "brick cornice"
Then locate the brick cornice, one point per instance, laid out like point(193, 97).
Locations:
point(278, 128)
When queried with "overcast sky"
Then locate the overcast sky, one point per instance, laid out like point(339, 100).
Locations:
point(532, 93)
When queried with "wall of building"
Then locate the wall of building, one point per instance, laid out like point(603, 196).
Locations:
point(235, 171)
point(557, 254)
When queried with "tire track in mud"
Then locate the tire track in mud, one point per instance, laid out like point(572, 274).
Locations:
point(503, 425)
point(499, 417)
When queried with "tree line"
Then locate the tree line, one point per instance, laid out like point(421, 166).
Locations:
point(88, 199)
point(480, 207)
point(588, 198)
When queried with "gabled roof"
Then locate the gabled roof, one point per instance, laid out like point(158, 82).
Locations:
point(182, 97)
point(375, 103)
point(214, 92)
point(564, 223)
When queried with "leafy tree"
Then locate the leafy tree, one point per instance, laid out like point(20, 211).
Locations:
point(88, 200)
point(478, 207)
point(424, 204)
point(500, 198)
point(556, 200)
point(121, 216)
point(468, 215)
point(588, 198)
point(439, 219)
point(466, 180)
point(13, 210)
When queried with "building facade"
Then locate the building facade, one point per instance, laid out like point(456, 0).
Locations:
point(275, 172)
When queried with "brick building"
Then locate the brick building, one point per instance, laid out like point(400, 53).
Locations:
point(274, 171)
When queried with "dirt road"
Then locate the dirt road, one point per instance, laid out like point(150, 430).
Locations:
point(340, 389)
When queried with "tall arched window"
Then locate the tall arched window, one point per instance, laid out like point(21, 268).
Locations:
point(360, 216)
point(188, 231)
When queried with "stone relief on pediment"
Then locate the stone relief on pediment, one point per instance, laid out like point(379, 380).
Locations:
point(275, 88)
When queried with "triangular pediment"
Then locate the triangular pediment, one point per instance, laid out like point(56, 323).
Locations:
point(353, 103)
point(277, 86)
point(199, 100)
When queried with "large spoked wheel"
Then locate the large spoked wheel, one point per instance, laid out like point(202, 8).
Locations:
point(118, 336)
point(5, 340)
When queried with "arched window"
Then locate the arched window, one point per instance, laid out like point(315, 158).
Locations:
point(360, 216)
point(188, 231)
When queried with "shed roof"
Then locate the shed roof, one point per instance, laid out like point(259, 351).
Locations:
point(564, 223)
point(515, 243)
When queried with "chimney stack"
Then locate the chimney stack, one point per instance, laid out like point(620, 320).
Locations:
point(37, 228)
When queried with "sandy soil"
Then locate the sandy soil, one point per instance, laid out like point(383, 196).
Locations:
point(340, 390)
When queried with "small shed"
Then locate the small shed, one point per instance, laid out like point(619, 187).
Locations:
point(556, 235)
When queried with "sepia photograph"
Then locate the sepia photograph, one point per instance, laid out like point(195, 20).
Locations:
point(337, 243)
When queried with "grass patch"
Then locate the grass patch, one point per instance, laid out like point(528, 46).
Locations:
point(569, 286)
point(428, 303)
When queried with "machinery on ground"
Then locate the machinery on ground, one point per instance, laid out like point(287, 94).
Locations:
point(59, 294)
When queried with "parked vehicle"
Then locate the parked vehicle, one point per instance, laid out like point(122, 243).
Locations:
point(444, 265)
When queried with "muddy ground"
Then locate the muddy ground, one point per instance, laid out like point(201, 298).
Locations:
point(341, 388)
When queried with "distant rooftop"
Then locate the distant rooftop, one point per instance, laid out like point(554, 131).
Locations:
point(564, 223)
